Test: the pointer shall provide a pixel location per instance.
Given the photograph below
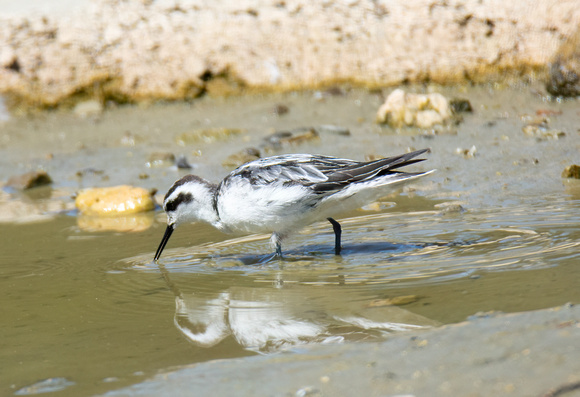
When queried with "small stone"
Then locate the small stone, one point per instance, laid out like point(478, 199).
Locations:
point(542, 132)
point(459, 105)
point(117, 200)
point(89, 171)
point(160, 159)
point(130, 139)
point(414, 110)
point(450, 208)
point(29, 180)
point(182, 163)
point(293, 137)
point(467, 153)
point(572, 171)
point(280, 110)
point(207, 135)
point(332, 129)
point(242, 157)
point(90, 108)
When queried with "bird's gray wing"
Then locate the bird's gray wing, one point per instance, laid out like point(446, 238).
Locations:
point(301, 169)
point(323, 174)
point(365, 171)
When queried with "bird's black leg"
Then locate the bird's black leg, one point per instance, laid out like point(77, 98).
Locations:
point(276, 241)
point(279, 250)
point(337, 234)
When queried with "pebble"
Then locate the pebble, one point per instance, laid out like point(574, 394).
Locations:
point(332, 129)
point(242, 157)
point(460, 105)
point(450, 208)
point(542, 132)
point(414, 110)
point(182, 163)
point(294, 137)
point(29, 180)
point(208, 135)
point(280, 110)
point(467, 153)
point(572, 171)
point(90, 108)
point(160, 159)
point(116, 200)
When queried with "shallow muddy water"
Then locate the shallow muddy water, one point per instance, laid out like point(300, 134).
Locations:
point(91, 307)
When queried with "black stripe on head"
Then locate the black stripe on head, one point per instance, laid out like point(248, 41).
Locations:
point(183, 181)
point(172, 205)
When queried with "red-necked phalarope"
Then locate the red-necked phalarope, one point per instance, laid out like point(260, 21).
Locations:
point(282, 194)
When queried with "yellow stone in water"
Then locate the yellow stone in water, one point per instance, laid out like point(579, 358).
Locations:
point(116, 200)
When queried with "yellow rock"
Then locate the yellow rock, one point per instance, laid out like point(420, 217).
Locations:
point(117, 200)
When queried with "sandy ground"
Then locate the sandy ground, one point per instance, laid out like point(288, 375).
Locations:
point(144, 50)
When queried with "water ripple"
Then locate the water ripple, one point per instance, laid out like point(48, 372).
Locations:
point(410, 247)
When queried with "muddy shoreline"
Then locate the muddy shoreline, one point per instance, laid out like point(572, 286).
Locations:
point(143, 51)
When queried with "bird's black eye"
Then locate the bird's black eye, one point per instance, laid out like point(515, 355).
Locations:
point(172, 205)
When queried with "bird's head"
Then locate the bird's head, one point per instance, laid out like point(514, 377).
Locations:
point(189, 199)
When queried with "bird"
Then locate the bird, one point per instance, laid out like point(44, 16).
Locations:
point(282, 194)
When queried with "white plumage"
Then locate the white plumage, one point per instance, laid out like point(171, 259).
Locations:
point(282, 194)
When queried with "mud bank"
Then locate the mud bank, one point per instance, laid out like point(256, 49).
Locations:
point(143, 50)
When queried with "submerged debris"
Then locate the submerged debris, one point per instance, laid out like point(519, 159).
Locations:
point(394, 301)
point(450, 208)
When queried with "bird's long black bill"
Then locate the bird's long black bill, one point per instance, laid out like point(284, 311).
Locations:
point(164, 241)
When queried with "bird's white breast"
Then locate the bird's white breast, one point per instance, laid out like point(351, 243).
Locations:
point(247, 208)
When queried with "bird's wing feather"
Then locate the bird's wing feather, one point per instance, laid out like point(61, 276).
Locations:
point(323, 174)
point(361, 172)
point(295, 168)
